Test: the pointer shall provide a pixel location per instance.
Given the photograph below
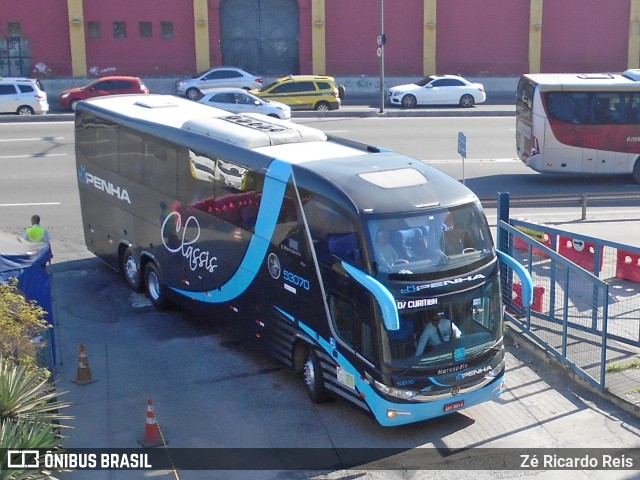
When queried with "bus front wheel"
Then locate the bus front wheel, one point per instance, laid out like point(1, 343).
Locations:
point(313, 381)
point(636, 171)
point(156, 290)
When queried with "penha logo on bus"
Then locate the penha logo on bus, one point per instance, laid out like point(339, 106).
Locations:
point(442, 283)
point(107, 187)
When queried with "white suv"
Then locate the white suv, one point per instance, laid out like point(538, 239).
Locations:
point(22, 96)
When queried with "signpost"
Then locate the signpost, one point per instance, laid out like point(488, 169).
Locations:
point(462, 150)
point(382, 39)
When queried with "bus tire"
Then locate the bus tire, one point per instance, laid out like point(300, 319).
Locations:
point(156, 290)
point(313, 380)
point(636, 171)
point(131, 270)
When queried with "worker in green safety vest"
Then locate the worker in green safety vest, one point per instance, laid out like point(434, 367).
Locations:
point(35, 233)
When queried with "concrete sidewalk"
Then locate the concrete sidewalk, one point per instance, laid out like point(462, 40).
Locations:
point(360, 107)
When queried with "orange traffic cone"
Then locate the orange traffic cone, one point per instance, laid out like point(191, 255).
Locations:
point(152, 436)
point(83, 376)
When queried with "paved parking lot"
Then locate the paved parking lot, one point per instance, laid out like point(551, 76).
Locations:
point(209, 391)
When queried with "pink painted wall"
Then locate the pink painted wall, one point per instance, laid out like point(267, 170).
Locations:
point(474, 37)
point(352, 27)
point(140, 56)
point(305, 63)
point(215, 52)
point(42, 31)
point(579, 36)
point(483, 37)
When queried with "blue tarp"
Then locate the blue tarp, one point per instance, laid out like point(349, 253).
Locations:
point(27, 262)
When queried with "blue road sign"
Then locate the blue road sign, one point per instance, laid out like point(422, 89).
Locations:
point(462, 145)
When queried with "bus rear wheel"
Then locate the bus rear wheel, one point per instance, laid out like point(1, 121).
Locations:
point(156, 290)
point(131, 270)
point(313, 380)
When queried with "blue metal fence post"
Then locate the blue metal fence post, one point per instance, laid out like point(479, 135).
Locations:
point(552, 280)
point(503, 215)
point(597, 258)
point(502, 241)
point(603, 353)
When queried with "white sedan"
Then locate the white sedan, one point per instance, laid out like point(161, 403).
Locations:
point(237, 100)
point(438, 90)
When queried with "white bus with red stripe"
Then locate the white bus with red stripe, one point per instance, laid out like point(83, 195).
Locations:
point(580, 123)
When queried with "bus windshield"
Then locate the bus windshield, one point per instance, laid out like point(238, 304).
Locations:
point(437, 241)
point(458, 328)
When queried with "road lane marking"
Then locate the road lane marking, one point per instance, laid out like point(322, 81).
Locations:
point(36, 155)
point(30, 139)
point(39, 204)
point(475, 160)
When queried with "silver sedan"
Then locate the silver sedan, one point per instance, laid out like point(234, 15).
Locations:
point(237, 100)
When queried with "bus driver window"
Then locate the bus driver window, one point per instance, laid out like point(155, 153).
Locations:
point(439, 329)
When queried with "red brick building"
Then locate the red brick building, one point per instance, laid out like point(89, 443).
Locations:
point(338, 37)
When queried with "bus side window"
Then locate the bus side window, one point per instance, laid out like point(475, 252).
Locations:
point(351, 327)
point(160, 167)
point(333, 233)
point(106, 150)
point(289, 232)
point(131, 156)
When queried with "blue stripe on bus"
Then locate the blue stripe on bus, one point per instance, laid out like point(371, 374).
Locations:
point(273, 190)
point(383, 296)
point(379, 406)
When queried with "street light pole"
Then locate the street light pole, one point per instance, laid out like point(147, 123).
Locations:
point(382, 42)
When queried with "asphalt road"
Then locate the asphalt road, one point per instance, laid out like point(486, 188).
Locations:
point(211, 391)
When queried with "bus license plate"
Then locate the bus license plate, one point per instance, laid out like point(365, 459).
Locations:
point(450, 407)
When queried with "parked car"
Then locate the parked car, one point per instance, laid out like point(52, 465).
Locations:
point(217, 77)
point(22, 96)
point(237, 100)
point(304, 92)
point(112, 85)
point(438, 90)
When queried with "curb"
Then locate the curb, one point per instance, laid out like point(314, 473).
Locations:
point(348, 111)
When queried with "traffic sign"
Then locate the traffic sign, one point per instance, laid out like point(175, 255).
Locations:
point(462, 145)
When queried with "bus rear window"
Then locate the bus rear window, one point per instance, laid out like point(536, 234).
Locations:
point(525, 92)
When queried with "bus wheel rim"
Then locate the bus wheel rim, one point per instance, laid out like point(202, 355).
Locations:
point(131, 270)
point(154, 286)
point(309, 373)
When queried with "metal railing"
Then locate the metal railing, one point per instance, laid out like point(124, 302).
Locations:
point(586, 294)
point(583, 200)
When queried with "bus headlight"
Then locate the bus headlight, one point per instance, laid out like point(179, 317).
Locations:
point(395, 392)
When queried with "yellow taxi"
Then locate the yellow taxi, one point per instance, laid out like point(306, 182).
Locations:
point(304, 92)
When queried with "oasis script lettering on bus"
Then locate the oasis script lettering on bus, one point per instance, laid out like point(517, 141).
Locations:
point(197, 258)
